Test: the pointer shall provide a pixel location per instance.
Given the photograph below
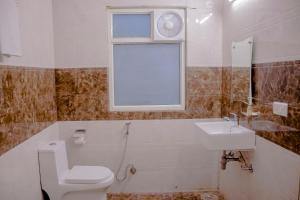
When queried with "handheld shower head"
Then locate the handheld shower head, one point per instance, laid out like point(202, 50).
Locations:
point(127, 124)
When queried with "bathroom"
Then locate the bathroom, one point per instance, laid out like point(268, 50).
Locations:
point(207, 107)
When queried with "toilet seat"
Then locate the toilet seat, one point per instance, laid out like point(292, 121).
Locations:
point(87, 175)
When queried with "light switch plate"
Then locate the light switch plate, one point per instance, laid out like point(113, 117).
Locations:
point(280, 108)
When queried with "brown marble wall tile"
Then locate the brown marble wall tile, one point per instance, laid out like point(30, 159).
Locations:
point(27, 103)
point(286, 139)
point(290, 138)
point(30, 95)
point(240, 83)
point(226, 90)
point(278, 81)
point(200, 195)
point(13, 134)
point(204, 80)
point(226, 105)
point(235, 87)
point(226, 80)
point(82, 94)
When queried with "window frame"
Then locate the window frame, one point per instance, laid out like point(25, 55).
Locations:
point(141, 40)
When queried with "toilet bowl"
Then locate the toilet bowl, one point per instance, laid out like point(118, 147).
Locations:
point(62, 183)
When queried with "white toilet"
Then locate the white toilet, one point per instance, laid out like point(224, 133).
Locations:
point(78, 183)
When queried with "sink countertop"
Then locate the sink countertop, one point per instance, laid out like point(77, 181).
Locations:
point(285, 136)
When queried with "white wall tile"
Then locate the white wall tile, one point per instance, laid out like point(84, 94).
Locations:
point(166, 166)
point(167, 149)
point(36, 32)
point(80, 28)
point(276, 175)
point(274, 24)
point(19, 169)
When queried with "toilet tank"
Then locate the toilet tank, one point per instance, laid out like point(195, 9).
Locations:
point(53, 160)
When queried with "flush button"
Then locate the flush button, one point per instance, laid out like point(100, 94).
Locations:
point(280, 108)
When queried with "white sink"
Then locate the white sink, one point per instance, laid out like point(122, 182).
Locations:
point(221, 135)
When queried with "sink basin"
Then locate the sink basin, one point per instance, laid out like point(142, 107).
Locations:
point(221, 135)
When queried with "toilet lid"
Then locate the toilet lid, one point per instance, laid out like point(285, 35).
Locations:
point(87, 174)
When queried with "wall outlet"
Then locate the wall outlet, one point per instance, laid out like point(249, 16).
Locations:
point(280, 108)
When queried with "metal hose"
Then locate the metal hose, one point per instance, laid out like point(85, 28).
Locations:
point(124, 177)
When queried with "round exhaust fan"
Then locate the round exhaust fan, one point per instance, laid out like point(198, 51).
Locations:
point(169, 25)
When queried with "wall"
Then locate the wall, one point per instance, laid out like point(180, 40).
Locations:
point(81, 41)
point(168, 154)
point(82, 94)
point(19, 170)
point(27, 103)
point(81, 36)
point(276, 175)
point(274, 24)
point(27, 83)
point(276, 158)
point(272, 80)
point(276, 81)
point(36, 32)
point(276, 38)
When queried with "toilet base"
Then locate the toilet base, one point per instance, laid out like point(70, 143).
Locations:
point(85, 195)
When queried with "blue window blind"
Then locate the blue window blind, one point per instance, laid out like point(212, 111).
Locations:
point(131, 25)
point(146, 74)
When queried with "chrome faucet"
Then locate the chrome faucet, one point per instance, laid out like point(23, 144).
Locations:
point(235, 119)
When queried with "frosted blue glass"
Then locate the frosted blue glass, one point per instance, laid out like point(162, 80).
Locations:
point(131, 25)
point(146, 74)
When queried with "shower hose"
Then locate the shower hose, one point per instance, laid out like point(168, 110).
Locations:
point(120, 178)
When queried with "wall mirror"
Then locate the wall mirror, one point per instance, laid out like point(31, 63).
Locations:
point(241, 86)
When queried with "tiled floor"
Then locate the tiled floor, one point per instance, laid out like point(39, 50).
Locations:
point(202, 195)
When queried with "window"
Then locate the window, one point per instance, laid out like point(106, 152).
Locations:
point(144, 74)
point(131, 25)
